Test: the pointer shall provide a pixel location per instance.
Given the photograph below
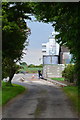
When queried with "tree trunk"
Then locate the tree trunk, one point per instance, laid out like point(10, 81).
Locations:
point(10, 78)
point(59, 62)
point(12, 72)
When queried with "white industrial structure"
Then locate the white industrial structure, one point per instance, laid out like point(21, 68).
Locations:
point(53, 53)
point(54, 57)
point(50, 51)
point(51, 47)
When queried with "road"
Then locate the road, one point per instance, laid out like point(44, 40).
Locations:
point(42, 100)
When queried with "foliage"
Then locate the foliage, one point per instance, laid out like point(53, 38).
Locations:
point(10, 68)
point(23, 63)
point(40, 66)
point(64, 16)
point(69, 73)
point(32, 66)
point(9, 92)
point(14, 32)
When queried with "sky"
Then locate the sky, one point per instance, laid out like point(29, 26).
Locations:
point(40, 33)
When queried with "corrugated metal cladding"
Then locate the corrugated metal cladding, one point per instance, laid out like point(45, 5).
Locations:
point(50, 59)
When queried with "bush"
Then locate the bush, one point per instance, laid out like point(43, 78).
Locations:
point(31, 65)
point(69, 73)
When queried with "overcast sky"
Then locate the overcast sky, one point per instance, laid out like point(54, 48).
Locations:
point(40, 33)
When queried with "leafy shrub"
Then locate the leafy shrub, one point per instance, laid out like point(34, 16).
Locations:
point(9, 67)
point(69, 73)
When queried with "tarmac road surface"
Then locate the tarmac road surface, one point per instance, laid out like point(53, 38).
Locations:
point(42, 100)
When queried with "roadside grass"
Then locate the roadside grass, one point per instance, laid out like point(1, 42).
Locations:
point(58, 79)
point(9, 92)
point(72, 93)
point(0, 96)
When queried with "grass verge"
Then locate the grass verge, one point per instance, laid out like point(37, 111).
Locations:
point(0, 96)
point(9, 92)
point(72, 93)
point(58, 79)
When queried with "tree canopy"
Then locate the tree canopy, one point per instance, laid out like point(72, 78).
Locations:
point(65, 19)
point(63, 15)
point(15, 33)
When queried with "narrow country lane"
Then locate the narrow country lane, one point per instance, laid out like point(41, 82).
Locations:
point(42, 100)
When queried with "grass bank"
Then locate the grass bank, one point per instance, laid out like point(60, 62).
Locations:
point(58, 79)
point(0, 96)
point(9, 92)
point(72, 93)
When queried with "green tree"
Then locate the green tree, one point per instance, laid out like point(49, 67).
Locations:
point(10, 68)
point(15, 33)
point(31, 66)
point(65, 19)
point(23, 63)
point(63, 16)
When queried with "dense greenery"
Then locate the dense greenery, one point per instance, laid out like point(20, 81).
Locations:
point(9, 68)
point(14, 32)
point(9, 92)
point(35, 66)
point(65, 18)
point(69, 73)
